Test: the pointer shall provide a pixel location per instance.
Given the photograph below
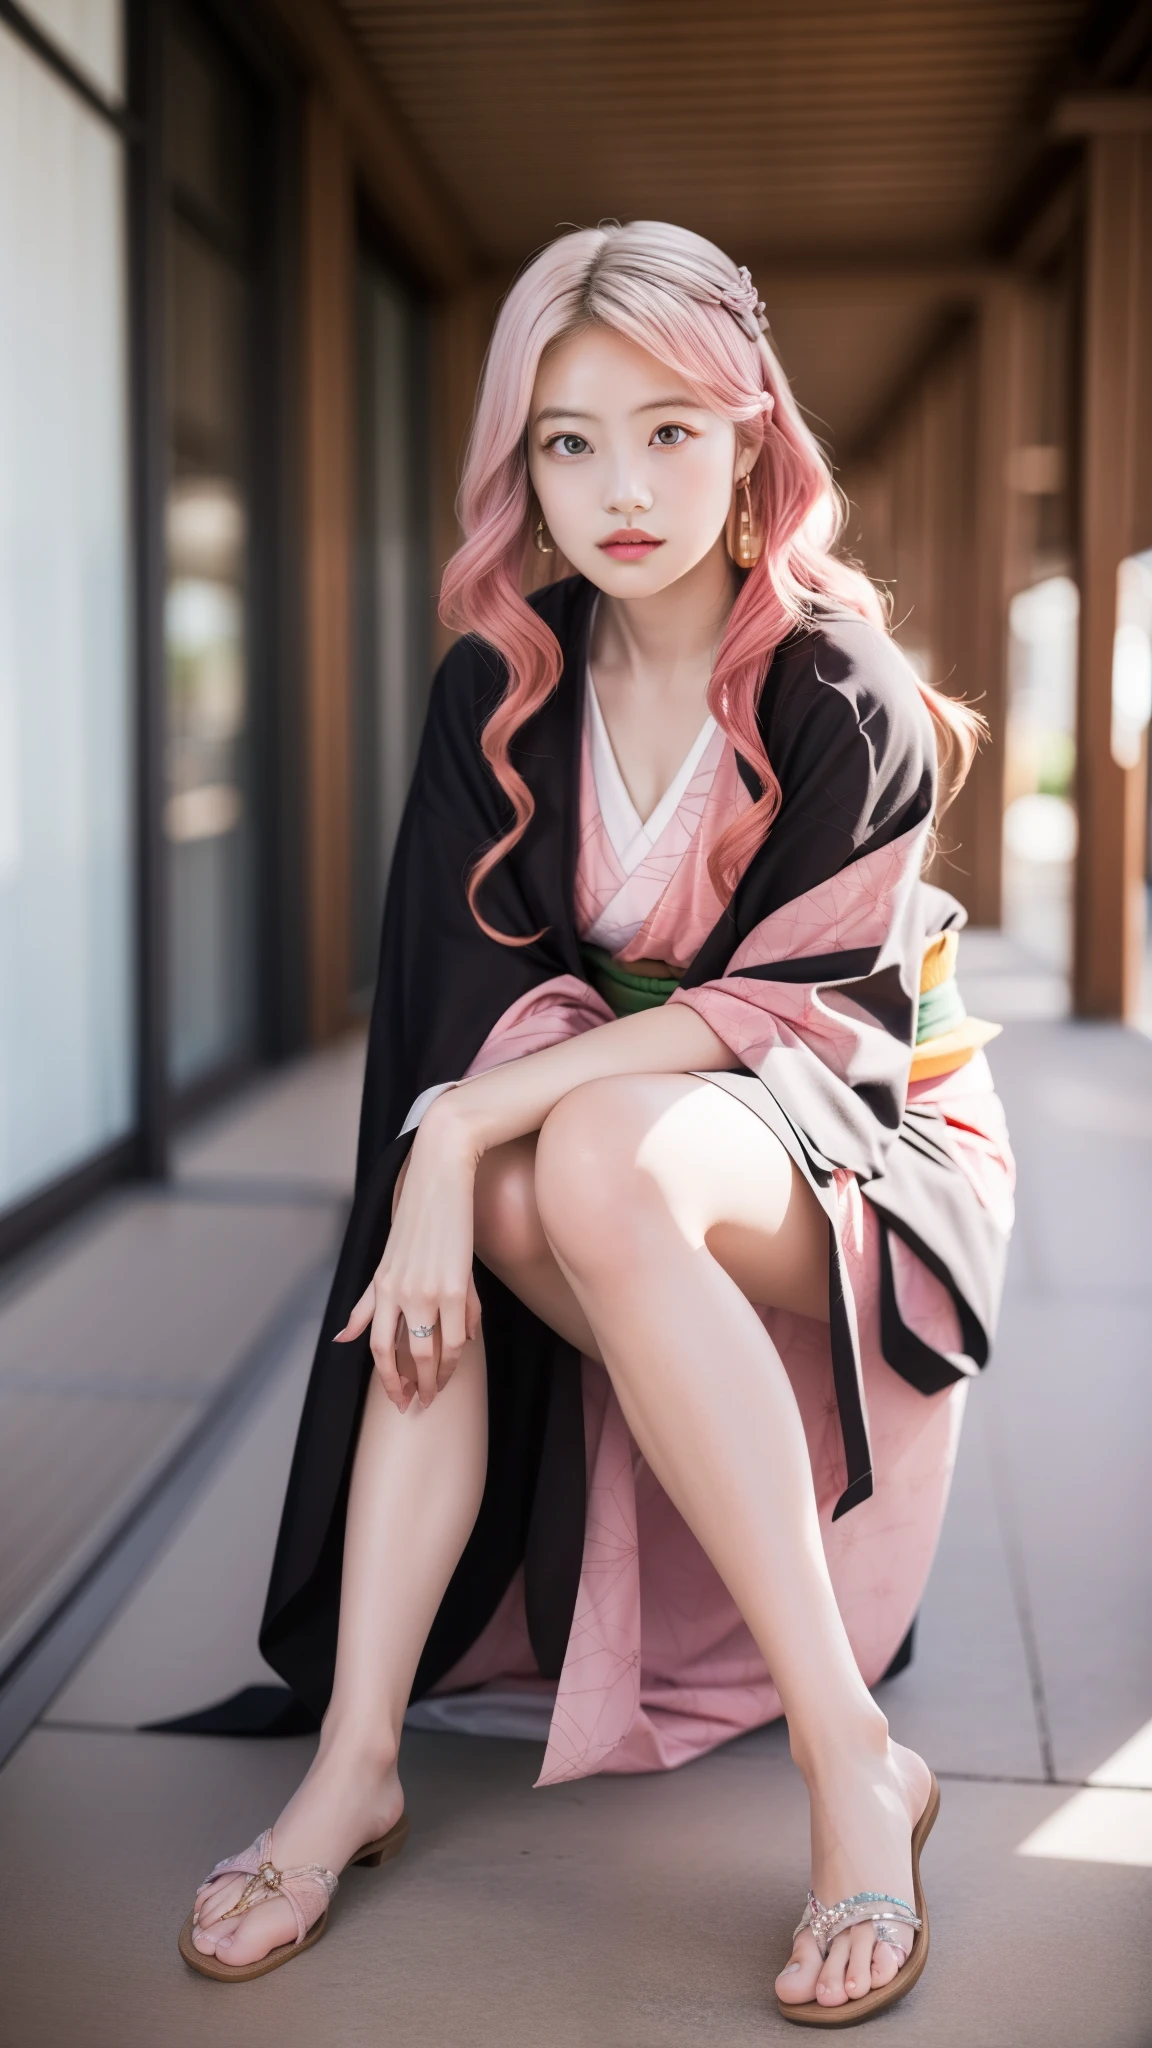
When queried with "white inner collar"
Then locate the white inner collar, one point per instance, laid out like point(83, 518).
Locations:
point(633, 837)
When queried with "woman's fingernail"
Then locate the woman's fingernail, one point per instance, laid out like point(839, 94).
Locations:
point(788, 1969)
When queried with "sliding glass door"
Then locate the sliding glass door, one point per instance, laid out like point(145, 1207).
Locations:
point(391, 595)
point(67, 869)
point(209, 813)
point(153, 845)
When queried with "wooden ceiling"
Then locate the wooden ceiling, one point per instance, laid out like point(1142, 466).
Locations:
point(802, 135)
point(798, 129)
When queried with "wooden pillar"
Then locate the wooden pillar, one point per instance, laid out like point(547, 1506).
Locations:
point(328, 238)
point(955, 665)
point(992, 566)
point(462, 326)
point(1115, 520)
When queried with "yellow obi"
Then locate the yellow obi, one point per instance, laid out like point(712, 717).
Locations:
point(946, 1036)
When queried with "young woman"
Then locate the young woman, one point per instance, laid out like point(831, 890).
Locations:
point(683, 1193)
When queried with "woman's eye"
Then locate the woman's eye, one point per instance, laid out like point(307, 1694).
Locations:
point(569, 444)
point(670, 437)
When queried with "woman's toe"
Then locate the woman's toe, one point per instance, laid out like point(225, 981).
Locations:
point(886, 1960)
point(858, 1968)
point(796, 1984)
point(830, 1984)
point(255, 1934)
point(212, 1903)
point(205, 1938)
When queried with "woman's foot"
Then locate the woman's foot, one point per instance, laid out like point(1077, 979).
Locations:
point(863, 1812)
point(346, 1800)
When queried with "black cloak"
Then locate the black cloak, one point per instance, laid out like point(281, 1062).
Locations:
point(853, 749)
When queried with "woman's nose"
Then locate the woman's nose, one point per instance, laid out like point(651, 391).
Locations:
point(628, 494)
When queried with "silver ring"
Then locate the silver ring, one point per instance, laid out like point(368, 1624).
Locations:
point(421, 1329)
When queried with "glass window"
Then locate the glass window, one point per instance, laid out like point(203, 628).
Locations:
point(90, 32)
point(391, 595)
point(208, 801)
point(66, 773)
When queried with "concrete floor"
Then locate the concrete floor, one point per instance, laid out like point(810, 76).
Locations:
point(117, 1335)
point(653, 1912)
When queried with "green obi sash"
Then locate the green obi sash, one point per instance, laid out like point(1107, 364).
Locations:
point(625, 991)
point(941, 1010)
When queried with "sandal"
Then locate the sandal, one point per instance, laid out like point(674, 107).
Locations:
point(308, 1890)
point(888, 1914)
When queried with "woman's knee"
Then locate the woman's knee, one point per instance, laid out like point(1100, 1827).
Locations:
point(588, 1184)
point(508, 1230)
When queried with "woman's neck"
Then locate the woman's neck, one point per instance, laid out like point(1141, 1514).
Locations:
point(666, 645)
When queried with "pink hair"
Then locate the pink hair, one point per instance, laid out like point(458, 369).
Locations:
point(663, 288)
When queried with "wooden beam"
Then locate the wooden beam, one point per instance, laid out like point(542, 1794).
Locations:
point(1114, 522)
point(328, 228)
point(403, 187)
point(830, 283)
point(1101, 113)
point(943, 525)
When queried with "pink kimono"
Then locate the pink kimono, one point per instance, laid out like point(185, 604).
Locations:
point(581, 1607)
point(660, 1666)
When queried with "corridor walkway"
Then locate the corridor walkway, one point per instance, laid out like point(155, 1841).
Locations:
point(652, 1912)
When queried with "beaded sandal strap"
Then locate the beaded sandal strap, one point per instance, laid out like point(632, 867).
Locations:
point(886, 1912)
point(307, 1888)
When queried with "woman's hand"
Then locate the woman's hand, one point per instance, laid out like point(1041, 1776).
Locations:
point(424, 1279)
point(425, 1275)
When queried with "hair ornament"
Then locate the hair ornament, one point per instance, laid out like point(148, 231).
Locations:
point(745, 305)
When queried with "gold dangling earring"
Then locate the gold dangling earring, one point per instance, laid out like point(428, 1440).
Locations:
point(751, 542)
point(746, 544)
point(542, 540)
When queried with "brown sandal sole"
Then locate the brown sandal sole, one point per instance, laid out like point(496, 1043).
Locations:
point(372, 1855)
point(860, 2009)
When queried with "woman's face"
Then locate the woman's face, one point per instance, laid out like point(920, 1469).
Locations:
point(634, 475)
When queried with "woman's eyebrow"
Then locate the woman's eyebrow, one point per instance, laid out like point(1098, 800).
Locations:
point(561, 412)
point(679, 399)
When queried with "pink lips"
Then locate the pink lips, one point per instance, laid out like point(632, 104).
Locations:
point(629, 544)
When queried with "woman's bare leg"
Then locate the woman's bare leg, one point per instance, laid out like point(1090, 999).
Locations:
point(416, 1488)
point(644, 1185)
point(767, 1241)
point(511, 1241)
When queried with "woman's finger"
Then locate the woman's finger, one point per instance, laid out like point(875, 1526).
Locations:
point(454, 1332)
point(360, 1317)
point(453, 1337)
point(424, 1344)
point(450, 1353)
point(404, 1365)
point(383, 1346)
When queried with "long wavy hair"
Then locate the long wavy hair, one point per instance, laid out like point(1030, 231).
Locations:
point(680, 298)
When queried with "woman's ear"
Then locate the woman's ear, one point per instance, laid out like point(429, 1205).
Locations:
point(749, 443)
